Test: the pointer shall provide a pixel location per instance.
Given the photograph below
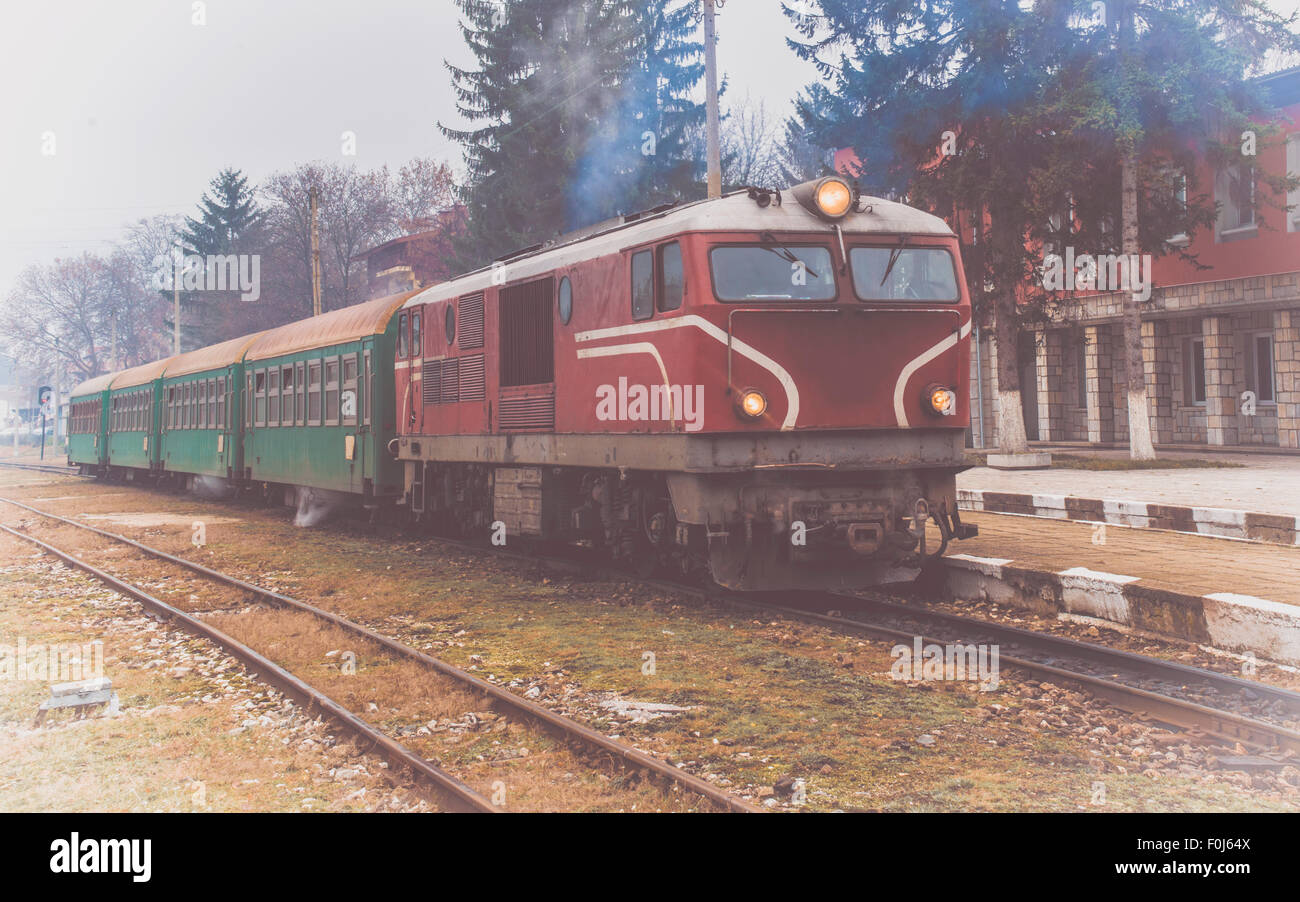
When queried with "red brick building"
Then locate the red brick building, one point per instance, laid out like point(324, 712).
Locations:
point(414, 261)
point(1221, 345)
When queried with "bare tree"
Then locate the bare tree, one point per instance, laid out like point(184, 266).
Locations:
point(749, 145)
point(421, 190)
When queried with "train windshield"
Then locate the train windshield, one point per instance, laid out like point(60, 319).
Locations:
point(772, 272)
point(903, 274)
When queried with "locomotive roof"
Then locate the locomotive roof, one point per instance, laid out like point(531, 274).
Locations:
point(335, 327)
point(212, 357)
point(735, 212)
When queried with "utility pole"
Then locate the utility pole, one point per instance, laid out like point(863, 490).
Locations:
point(176, 304)
point(112, 346)
point(711, 99)
point(315, 254)
point(58, 392)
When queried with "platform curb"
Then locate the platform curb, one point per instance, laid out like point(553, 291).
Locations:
point(1237, 623)
point(1282, 529)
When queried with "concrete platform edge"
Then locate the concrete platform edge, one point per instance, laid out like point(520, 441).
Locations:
point(1236, 623)
point(1281, 529)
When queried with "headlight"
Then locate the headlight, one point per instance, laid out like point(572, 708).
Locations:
point(751, 404)
point(941, 400)
point(834, 198)
point(829, 198)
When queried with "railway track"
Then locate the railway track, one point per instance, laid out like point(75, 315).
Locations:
point(592, 743)
point(60, 469)
point(1211, 708)
point(1208, 705)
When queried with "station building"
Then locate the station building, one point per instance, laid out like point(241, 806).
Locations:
point(1209, 336)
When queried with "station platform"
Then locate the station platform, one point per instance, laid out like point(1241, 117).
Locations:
point(1233, 594)
point(1188, 564)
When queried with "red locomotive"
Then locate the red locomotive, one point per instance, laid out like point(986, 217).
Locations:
point(763, 388)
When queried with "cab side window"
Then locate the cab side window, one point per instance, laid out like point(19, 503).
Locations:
point(672, 278)
point(643, 285)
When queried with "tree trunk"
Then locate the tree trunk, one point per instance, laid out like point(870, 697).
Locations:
point(1139, 418)
point(1011, 415)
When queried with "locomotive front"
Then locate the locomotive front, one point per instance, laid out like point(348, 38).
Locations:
point(844, 328)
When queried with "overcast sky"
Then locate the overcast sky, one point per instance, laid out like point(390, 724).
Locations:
point(145, 107)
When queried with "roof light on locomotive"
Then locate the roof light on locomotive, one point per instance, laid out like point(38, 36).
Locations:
point(831, 197)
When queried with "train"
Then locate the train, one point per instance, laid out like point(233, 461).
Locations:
point(764, 390)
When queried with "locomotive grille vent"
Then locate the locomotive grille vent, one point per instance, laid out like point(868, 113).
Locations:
point(450, 381)
point(472, 374)
point(471, 321)
point(454, 379)
point(431, 377)
point(527, 413)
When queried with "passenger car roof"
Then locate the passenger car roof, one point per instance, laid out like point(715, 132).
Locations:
point(335, 327)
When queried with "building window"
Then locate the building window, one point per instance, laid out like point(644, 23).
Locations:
point(1259, 366)
point(1234, 190)
point(1293, 169)
point(1194, 371)
point(1081, 371)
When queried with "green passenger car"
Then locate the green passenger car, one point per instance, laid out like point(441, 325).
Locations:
point(201, 413)
point(88, 424)
point(133, 418)
point(318, 406)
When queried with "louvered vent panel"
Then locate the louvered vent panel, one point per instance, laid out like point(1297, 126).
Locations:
point(472, 378)
point(432, 379)
point(450, 380)
point(527, 413)
point(471, 321)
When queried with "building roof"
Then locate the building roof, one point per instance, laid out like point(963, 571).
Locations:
point(735, 212)
point(93, 386)
point(212, 357)
point(335, 327)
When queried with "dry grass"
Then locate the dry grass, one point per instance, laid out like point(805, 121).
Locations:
point(767, 699)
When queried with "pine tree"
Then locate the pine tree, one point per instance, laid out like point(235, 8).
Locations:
point(582, 110)
point(228, 216)
point(1160, 82)
point(657, 117)
point(229, 222)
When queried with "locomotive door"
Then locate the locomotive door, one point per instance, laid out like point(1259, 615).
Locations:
point(527, 355)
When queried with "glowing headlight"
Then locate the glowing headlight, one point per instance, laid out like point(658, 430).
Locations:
point(943, 401)
point(830, 197)
point(834, 198)
point(751, 404)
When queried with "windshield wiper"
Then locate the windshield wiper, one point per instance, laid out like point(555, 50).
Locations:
point(784, 253)
point(893, 258)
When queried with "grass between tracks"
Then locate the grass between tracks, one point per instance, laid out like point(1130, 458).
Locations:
point(765, 700)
